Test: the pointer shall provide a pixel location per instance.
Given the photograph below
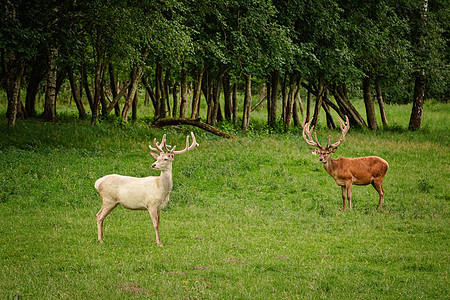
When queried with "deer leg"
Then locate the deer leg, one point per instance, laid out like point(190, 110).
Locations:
point(101, 215)
point(349, 195)
point(154, 214)
point(377, 185)
point(344, 195)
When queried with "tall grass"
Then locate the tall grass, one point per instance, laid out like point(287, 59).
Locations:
point(253, 218)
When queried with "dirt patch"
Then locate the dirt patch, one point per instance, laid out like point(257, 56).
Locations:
point(133, 288)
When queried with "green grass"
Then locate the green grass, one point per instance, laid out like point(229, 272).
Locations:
point(254, 218)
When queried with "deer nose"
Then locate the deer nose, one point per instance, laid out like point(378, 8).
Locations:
point(154, 165)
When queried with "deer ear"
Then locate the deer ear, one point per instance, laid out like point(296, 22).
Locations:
point(315, 151)
point(155, 156)
point(332, 150)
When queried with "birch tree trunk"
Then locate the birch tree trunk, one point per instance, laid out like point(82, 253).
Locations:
point(49, 113)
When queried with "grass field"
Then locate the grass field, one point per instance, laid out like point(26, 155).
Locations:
point(251, 218)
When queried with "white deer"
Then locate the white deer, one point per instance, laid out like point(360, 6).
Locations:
point(348, 171)
point(148, 193)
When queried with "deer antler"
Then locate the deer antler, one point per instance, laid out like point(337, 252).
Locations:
point(188, 148)
point(159, 146)
point(344, 129)
point(308, 132)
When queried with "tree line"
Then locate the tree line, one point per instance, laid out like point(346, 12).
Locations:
point(108, 49)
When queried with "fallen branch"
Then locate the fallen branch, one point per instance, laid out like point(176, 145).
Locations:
point(194, 122)
point(259, 103)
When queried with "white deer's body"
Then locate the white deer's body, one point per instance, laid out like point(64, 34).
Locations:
point(136, 193)
point(148, 193)
point(347, 172)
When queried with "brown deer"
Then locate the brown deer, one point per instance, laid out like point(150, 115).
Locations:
point(348, 171)
point(148, 193)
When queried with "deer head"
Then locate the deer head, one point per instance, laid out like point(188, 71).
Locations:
point(324, 152)
point(165, 158)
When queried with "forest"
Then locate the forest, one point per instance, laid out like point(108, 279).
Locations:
point(181, 52)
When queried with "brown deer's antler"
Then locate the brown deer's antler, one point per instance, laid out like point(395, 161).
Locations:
point(344, 128)
point(307, 132)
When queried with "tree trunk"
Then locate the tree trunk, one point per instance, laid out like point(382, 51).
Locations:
point(217, 89)
point(298, 100)
point(289, 113)
point(284, 98)
point(88, 92)
point(159, 93)
point(113, 87)
point(135, 78)
point(13, 82)
point(340, 94)
point(197, 91)
point(36, 76)
point(76, 94)
point(175, 98)
point(247, 103)
point(166, 89)
point(208, 92)
point(319, 94)
point(308, 104)
point(417, 109)
point(49, 113)
point(100, 69)
point(121, 94)
point(272, 98)
point(419, 83)
point(368, 102)
point(150, 92)
point(234, 101)
point(228, 104)
point(134, 108)
point(381, 104)
point(183, 93)
point(326, 108)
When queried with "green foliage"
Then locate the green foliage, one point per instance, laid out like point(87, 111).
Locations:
point(254, 218)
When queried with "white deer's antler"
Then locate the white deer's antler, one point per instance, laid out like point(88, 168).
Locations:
point(188, 148)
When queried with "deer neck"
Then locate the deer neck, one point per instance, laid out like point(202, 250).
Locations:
point(165, 180)
point(329, 165)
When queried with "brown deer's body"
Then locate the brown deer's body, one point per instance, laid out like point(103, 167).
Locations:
point(347, 172)
point(357, 171)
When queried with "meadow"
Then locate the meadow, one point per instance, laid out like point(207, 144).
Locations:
point(249, 218)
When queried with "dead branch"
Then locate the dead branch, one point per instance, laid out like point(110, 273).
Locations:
point(193, 122)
